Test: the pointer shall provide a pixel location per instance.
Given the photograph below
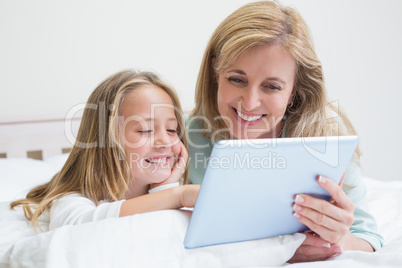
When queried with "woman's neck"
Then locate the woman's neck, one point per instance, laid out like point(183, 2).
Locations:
point(275, 132)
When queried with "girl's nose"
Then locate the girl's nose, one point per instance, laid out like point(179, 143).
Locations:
point(162, 139)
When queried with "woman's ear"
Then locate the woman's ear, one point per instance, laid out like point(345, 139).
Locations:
point(291, 97)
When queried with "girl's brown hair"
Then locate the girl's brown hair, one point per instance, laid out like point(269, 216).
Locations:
point(97, 166)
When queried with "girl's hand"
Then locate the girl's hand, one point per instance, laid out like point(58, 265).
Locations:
point(331, 220)
point(178, 168)
point(189, 195)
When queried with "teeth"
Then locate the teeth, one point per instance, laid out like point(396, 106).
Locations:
point(248, 118)
point(158, 161)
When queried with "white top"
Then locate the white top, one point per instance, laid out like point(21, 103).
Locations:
point(76, 209)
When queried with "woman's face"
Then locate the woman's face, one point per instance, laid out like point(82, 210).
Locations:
point(254, 91)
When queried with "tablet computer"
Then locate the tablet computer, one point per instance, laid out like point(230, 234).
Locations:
point(249, 186)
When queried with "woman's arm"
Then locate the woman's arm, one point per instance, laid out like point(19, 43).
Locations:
point(173, 198)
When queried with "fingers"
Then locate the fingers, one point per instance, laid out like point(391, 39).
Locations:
point(310, 253)
point(342, 179)
point(331, 220)
point(180, 166)
point(335, 209)
point(183, 153)
point(321, 213)
point(336, 192)
point(315, 241)
point(331, 235)
point(314, 249)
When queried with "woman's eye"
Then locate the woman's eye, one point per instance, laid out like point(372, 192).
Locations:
point(273, 87)
point(236, 80)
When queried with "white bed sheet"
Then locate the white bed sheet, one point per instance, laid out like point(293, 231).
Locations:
point(156, 239)
point(145, 240)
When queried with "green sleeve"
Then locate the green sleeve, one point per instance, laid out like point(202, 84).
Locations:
point(199, 150)
point(364, 225)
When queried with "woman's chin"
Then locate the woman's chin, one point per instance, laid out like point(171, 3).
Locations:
point(247, 135)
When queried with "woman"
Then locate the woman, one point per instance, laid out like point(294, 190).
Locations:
point(260, 78)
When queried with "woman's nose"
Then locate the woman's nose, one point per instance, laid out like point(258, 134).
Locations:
point(251, 99)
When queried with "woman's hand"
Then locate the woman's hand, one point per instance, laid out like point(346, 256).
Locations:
point(315, 249)
point(178, 168)
point(330, 221)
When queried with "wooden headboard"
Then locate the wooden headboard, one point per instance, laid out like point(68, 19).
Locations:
point(37, 138)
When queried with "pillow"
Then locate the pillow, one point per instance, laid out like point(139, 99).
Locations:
point(14, 227)
point(19, 175)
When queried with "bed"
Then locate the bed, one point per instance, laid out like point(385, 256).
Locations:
point(32, 151)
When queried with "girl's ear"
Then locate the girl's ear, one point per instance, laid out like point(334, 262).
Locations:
point(213, 60)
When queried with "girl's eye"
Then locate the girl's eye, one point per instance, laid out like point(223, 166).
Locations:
point(145, 131)
point(172, 130)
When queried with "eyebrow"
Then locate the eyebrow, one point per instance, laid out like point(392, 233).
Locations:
point(151, 119)
point(268, 78)
point(237, 71)
point(276, 79)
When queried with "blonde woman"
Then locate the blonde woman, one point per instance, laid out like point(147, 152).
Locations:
point(129, 156)
point(260, 78)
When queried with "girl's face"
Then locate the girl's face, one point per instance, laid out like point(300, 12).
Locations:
point(254, 91)
point(150, 133)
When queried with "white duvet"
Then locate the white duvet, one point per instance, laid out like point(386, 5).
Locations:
point(148, 240)
point(156, 240)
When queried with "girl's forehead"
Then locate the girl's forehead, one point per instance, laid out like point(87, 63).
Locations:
point(147, 95)
point(147, 100)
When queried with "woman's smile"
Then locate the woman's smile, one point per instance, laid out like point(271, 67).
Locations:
point(248, 118)
point(255, 90)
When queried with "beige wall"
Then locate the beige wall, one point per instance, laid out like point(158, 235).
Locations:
point(53, 54)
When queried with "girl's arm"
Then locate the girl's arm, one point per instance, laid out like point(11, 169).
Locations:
point(173, 198)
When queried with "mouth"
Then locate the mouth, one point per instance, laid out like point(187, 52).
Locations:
point(158, 160)
point(248, 116)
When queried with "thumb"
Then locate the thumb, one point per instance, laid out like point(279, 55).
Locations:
point(342, 179)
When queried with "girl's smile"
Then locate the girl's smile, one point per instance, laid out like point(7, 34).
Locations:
point(158, 160)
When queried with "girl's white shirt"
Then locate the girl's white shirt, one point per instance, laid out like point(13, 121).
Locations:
point(76, 209)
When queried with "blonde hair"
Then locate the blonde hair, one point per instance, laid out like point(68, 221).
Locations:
point(269, 23)
point(97, 166)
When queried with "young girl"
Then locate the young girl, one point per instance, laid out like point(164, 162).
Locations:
point(131, 141)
